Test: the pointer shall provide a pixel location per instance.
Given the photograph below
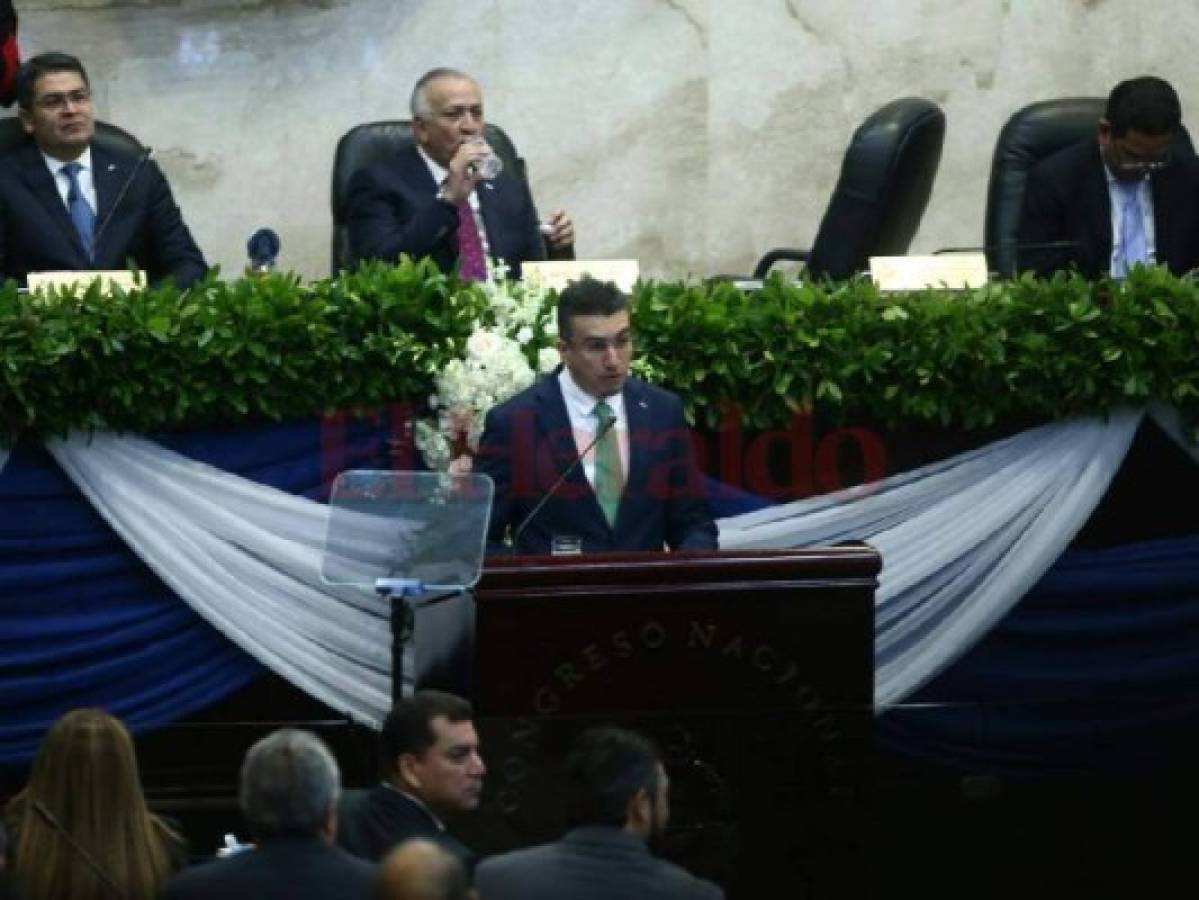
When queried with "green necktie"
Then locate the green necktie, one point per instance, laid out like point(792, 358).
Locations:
point(609, 479)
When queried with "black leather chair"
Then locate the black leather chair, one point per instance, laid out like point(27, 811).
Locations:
point(12, 135)
point(885, 182)
point(364, 145)
point(1031, 134)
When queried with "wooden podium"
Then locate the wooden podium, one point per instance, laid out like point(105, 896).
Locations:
point(752, 670)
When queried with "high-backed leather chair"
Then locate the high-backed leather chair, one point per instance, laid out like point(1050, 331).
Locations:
point(364, 145)
point(1031, 134)
point(110, 137)
point(886, 179)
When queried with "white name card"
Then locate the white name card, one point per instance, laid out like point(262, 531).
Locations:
point(949, 271)
point(45, 281)
point(558, 273)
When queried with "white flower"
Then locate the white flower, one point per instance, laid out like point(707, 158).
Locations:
point(524, 335)
point(547, 360)
point(481, 343)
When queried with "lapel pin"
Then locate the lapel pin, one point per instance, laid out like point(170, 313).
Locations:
point(112, 167)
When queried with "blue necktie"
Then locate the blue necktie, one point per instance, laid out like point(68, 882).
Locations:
point(82, 214)
point(1132, 228)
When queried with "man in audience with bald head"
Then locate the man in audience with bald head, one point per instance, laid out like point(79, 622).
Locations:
point(436, 199)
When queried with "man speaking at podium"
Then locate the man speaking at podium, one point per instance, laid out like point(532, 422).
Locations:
point(590, 459)
point(67, 204)
point(444, 198)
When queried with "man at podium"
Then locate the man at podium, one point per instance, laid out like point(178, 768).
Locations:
point(589, 459)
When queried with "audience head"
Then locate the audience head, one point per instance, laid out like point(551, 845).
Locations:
point(54, 103)
point(447, 110)
point(429, 749)
point(595, 335)
point(615, 777)
point(1140, 120)
point(421, 870)
point(85, 777)
point(290, 786)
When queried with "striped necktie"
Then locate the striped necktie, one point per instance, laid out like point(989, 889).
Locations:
point(609, 478)
point(1133, 249)
point(471, 264)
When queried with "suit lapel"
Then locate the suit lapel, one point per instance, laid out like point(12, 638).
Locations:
point(1100, 219)
point(108, 174)
point(41, 185)
point(638, 415)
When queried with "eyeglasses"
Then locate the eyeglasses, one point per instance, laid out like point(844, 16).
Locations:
point(598, 346)
point(60, 100)
point(1130, 164)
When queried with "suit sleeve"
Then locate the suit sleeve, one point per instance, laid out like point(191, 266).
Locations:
point(688, 519)
point(175, 253)
point(494, 460)
point(1042, 220)
point(383, 222)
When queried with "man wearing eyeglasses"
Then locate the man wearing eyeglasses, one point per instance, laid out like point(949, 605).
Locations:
point(590, 459)
point(1126, 198)
point(69, 204)
point(440, 198)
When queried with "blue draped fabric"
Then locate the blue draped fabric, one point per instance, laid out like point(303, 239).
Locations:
point(83, 622)
point(1097, 668)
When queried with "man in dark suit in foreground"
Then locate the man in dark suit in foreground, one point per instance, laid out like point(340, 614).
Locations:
point(618, 798)
point(288, 795)
point(638, 487)
point(432, 771)
point(69, 204)
point(434, 199)
point(1121, 198)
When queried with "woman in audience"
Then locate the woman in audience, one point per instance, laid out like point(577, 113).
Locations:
point(85, 784)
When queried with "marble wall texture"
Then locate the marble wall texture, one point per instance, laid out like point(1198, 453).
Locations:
point(691, 134)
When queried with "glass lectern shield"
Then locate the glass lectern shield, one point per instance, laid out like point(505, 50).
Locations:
point(417, 539)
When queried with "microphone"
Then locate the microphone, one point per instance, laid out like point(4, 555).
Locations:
point(137, 167)
point(1017, 246)
point(545, 498)
point(78, 850)
point(263, 249)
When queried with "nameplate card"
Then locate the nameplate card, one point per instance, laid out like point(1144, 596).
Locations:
point(945, 271)
point(558, 273)
point(44, 282)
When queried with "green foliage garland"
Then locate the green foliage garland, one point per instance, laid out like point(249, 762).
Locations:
point(272, 348)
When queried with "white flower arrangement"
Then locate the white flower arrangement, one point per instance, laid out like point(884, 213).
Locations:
point(504, 351)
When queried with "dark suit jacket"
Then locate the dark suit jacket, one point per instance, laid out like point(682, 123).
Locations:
point(36, 233)
point(373, 821)
point(302, 868)
point(1067, 199)
point(392, 208)
point(591, 863)
point(527, 443)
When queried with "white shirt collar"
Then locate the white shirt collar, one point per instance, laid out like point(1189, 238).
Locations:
point(55, 165)
point(581, 405)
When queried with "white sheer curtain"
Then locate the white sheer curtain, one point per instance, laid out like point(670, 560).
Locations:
point(247, 558)
point(961, 540)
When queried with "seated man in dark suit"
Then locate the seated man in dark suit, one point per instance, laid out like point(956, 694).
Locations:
point(432, 771)
point(617, 803)
point(288, 795)
point(1122, 199)
point(433, 200)
point(638, 487)
point(68, 204)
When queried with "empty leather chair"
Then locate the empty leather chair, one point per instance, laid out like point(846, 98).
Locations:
point(885, 182)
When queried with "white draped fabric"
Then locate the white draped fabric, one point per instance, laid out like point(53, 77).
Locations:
point(961, 540)
point(247, 558)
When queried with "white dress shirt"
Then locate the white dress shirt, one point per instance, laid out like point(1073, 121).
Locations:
point(440, 173)
point(87, 184)
point(580, 406)
point(1116, 198)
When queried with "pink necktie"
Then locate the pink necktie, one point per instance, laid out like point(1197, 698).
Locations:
point(472, 266)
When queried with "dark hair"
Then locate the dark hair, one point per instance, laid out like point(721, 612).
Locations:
point(1146, 104)
point(418, 103)
point(408, 727)
point(605, 768)
point(588, 297)
point(43, 64)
